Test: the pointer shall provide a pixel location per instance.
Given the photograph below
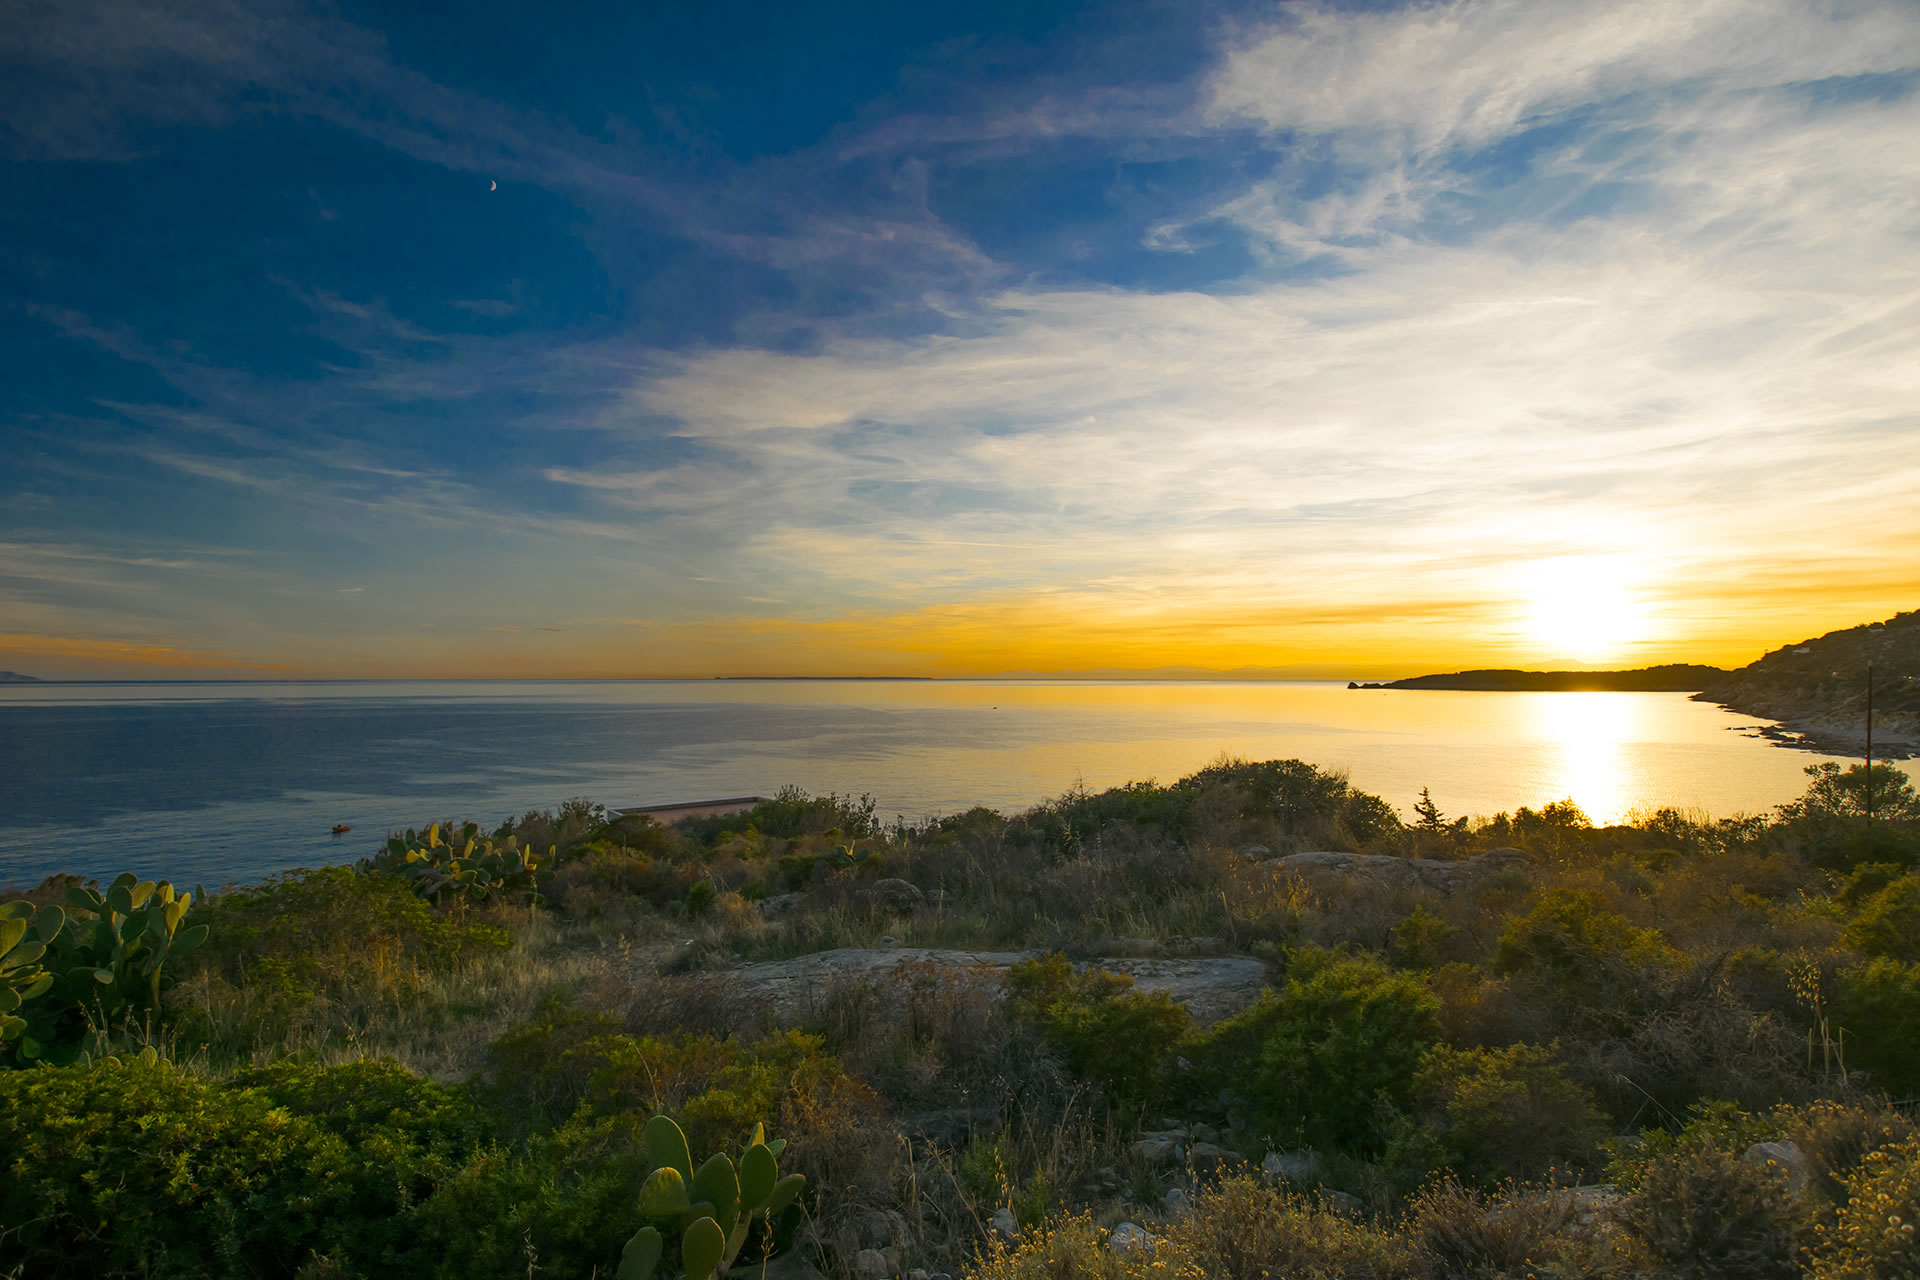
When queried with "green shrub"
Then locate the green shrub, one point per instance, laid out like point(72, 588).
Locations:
point(144, 1169)
point(1498, 1114)
point(1320, 1060)
point(1099, 1025)
point(1597, 963)
point(791, 813)
point(313, 932)
point(560, 1204)
point(1879, 1010)
point(1888, 922)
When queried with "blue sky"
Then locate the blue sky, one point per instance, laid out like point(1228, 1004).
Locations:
point(625, 340)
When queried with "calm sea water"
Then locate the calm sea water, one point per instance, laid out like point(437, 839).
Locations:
point(218, 782)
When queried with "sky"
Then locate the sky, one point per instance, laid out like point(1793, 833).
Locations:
point(1303, 339)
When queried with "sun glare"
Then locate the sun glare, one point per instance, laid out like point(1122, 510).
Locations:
point(1582, 609)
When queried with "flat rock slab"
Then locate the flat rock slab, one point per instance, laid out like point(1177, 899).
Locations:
point(1211, 987)
point(1403, 873)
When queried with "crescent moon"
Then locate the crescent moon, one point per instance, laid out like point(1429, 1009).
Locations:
point(493, 186)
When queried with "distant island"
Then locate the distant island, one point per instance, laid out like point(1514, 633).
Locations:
point(1817, 689)
point(14, 677)
point(1674, 677)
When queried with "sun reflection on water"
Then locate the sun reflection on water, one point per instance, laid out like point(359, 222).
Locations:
point(1588, 735)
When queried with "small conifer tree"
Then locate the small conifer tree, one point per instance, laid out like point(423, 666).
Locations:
point(1428, 813)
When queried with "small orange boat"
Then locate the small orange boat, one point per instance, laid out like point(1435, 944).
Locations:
point(341, 828)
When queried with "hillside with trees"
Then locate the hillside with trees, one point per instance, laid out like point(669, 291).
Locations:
point(1818, 688)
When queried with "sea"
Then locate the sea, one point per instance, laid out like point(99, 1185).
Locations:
point(217, 783)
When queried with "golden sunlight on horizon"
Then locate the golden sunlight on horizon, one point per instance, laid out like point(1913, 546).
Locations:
point(1583, 608)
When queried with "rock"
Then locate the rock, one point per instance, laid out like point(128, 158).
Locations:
point(1402, 873)
point(871, 1264)
point(1177, 1201)
point(1785, 1156)
point(919, 1273)
point(1004, 1225)
point(1205, 1133)
point(882, 1227)
point(1127, 1237)
point(1341, 1202)
point(1291, 1166)
point(895, 895)
point(887, 940)
point(1594, 1202)
point(1157, 1149)
point(1253, 851)
point(781, 904)
point(1211, 987)
point(1101, 1182)
point(1206, 1158)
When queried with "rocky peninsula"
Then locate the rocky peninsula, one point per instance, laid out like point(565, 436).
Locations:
point(1817, 689)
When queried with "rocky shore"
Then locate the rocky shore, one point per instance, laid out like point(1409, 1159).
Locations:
point(1816, 690)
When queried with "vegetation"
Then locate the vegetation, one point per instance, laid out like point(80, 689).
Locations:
point(461, 1057)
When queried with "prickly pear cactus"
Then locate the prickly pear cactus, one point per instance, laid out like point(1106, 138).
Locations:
point(712, 1209)
point(467, 866)
point(67, 973)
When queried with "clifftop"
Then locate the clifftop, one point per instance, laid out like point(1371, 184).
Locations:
point(1818, 687)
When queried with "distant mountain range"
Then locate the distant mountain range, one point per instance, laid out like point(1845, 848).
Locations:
point(14, 677)
point(1674, 677)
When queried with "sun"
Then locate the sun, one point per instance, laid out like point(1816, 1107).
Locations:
point(1582, 609)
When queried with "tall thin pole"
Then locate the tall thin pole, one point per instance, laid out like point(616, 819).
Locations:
point(1869, 742)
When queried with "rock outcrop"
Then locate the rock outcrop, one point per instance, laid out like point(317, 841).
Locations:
point(1402, 873)
point(1211, 987)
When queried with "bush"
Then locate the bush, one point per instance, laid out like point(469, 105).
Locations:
point(562, 1204)
point(1879, 1010)
point(1497, 1114)
point(1102, 1027)
point(1323, 1058)
point(1517, 1231)
point(308, 933)
point(1888, 923)
point(1592, 957)
point(144, 1169)
point(1875, 1236)
point(1700, 1210)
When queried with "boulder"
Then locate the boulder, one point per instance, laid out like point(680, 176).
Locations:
point(1291, 1166)
point(781, 904)
point(1784, 1156)
point(871, 1264)
point(1004, 1226)
point(1128, 1238)
point(1207, 1159)
point(895, 895)
point(1177, 1201)
point(1162, 1146)
point(1343, 1202)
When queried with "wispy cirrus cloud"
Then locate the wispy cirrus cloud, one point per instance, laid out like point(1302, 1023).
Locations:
point(1324, 341)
